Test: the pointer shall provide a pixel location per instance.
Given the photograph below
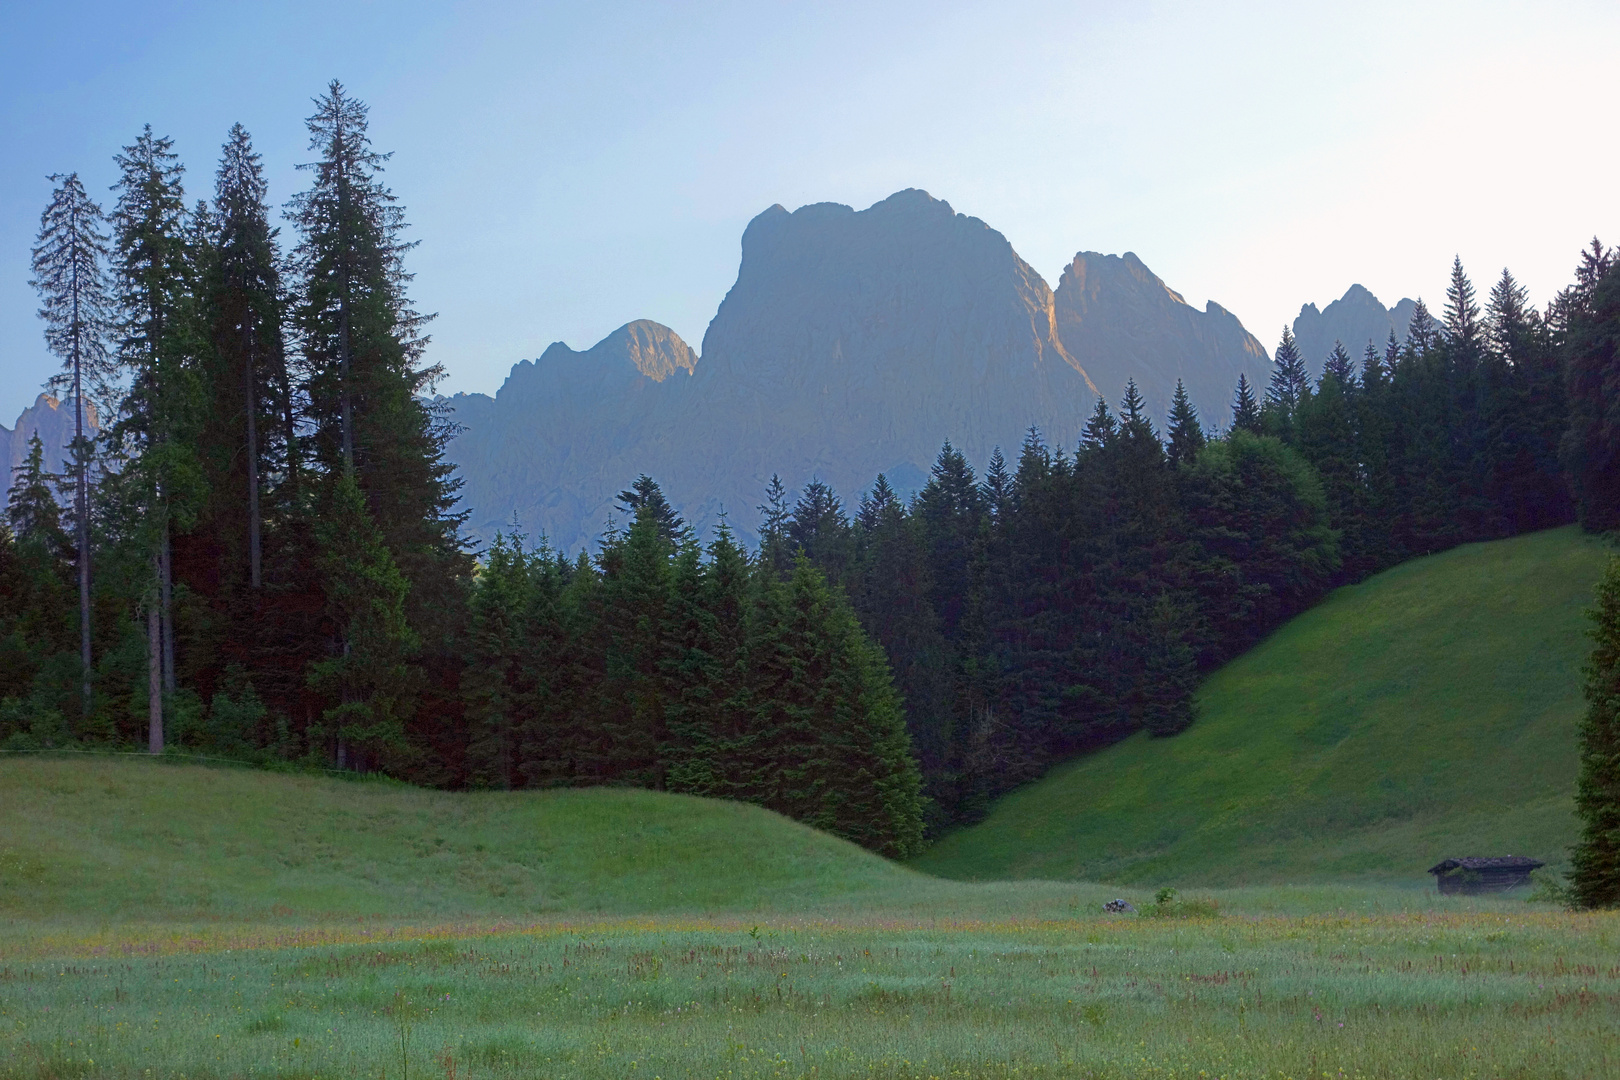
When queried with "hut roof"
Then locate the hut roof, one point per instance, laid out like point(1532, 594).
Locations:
point(1496, 862)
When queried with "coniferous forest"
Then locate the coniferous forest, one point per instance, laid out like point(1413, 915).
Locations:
point(259, 556)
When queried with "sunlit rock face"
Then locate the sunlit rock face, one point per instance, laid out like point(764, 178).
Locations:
point(1119, 321)
point(1354, 319)
point(52, 420)
point(853, 343)
point(548, 450)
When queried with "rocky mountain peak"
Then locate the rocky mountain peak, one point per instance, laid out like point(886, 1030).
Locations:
point(1120, 321)
point(52, 420)
point(853, 342)
point(1353, 320)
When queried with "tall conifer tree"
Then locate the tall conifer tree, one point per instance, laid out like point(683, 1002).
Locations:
point(364, 375)
point(251, 382)
point(1462, 311)
point(68, 261)
point(154, 272)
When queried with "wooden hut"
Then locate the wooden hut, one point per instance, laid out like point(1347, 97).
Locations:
point(1483, 874)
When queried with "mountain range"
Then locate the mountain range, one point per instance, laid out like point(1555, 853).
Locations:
point(853, 343)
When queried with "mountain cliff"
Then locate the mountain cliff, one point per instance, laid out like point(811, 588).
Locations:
point(852, 343)
point(1119, 321)
point(52, 420)
point(1354, 319)
point(548, 449)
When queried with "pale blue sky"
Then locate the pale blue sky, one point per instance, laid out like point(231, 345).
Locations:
point(569, 167)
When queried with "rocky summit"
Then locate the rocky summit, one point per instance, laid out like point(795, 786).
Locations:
point(1120, 321)
point(52, 420)
point(1354, 320)
point(853, 343)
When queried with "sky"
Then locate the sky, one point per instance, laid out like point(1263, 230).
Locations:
point(568, 167)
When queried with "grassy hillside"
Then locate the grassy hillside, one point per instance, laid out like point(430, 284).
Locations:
point(137, 839)
point(1429, 711)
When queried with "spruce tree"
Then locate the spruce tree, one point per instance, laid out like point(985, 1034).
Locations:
point(365, 383)
point(1245, 410)
point(1101, 429)
point(646, 494)
point(362, 349)
point(635, 599)
point(693, 676)
point(997, 486)
point(154, 273)
point(1342, 368)
point(1590, 449)
point(1462, 312)
point(1290, 385)
point(367, 674)
point(494, 682)
point(31, 507)
point(1186, 433)
point(1420, 329)
point(819, 528)
point(775, 548)
point(250, 383)
point(1595, 877)
point(68, 260)
point(1507, 318)
point(36, 577)
point(826, 741)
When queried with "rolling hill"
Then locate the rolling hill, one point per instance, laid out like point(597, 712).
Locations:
point(139, 839)
point(1429, 711)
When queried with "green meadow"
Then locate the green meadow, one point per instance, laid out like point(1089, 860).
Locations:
point(166, 919)
point(1426, 712)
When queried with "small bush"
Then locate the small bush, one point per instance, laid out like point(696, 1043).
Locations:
point(1551, 888)
point(1167, 904)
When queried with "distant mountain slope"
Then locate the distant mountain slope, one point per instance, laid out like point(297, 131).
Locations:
point(856, 342)
point(549, 448)
point(1427, 712)
point(52, 420)
point(1120, 321)
point(853, 343)
point(1355, 319)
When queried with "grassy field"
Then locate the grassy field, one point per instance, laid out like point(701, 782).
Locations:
point(1429, 711)
point(162, 920)
point(1483, 994)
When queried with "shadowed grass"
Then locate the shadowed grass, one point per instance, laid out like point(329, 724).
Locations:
point(1429, 711)
point(130, 839)
point(1529, 994)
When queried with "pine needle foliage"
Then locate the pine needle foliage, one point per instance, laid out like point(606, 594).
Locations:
point(1595, 877)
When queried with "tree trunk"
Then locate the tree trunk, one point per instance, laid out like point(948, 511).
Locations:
point(343, 376)
point(154, 680)
point(81, 510)
point(252, 461)
point(165, 581)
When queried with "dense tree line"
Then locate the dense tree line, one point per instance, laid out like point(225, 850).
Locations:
point(1075, 596)
point(271, 566)
point(260, 557)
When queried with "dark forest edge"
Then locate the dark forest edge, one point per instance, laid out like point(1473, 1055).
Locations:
point(270, 567)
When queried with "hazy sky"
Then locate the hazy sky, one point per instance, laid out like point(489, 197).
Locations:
point(569, 167)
